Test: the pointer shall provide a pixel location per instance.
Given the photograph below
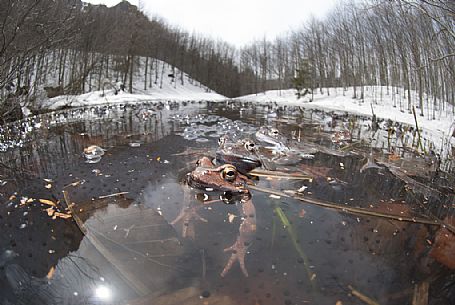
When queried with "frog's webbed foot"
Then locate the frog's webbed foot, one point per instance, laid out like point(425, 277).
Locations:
point(239, 249)
point(187, 216)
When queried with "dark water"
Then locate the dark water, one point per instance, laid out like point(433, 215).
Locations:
point(122, 249)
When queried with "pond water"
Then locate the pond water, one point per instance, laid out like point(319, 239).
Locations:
point(103, 229)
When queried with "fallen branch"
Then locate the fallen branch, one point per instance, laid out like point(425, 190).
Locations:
point(279, 175)
point(358, 211)
point(130, 278)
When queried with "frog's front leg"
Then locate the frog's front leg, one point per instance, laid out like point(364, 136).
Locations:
point(247, 230)
point(188, 214)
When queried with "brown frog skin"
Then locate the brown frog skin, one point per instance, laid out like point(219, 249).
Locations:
point(242, 154)
point(223, 178)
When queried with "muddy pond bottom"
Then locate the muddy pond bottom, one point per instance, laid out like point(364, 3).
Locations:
point(87, 226)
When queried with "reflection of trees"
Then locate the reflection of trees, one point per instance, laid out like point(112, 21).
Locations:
point(73, 282)
point(46, 152)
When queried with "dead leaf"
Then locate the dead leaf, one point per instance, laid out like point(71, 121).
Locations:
point(47, 202)
point(302, 213)
point(339, 303)
point(25, 201)
point(62, 215)
point(158, 159)
point(231, 217)
point(48, 186)
point(51, 272)
point(50, 211)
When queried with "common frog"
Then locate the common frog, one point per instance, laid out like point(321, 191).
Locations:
point(242, 154)
point(224, 178)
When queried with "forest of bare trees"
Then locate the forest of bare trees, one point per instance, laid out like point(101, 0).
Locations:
point(74, 41)
point(399, 45)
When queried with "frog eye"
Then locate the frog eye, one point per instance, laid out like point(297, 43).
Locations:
point(229, 173)
point(249, 146)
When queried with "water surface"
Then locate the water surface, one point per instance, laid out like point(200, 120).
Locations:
point(120, 247)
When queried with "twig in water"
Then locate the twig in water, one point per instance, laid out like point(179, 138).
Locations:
point(362, 297)
point(277, 174)
point(113, 195)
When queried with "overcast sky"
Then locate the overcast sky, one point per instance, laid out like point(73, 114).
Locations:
point(235, 21)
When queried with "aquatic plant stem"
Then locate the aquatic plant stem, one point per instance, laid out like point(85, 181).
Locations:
point(287, 225)
point(273, 232)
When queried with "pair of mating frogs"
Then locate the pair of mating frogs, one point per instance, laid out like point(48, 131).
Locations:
point(227, 174)
point(226, 179)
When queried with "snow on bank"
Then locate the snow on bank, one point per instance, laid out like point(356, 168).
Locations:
point(163, 83)
point(383, 106)
point(186, 93)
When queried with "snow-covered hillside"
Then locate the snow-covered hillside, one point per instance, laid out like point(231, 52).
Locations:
point(161, 81)
point(383, 104)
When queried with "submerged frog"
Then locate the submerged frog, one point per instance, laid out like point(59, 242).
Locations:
point(273, 137)
point(224, 178)
point(282, 151)
point(242, 154)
